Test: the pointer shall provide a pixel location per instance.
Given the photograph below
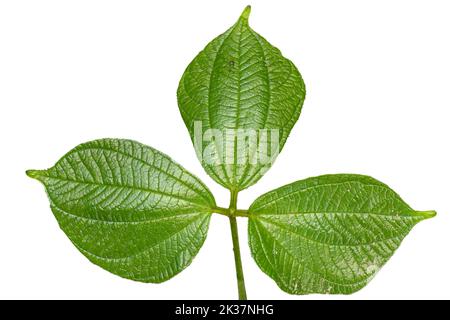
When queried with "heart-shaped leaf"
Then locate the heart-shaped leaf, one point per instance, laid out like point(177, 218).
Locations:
point(129, 208)
point(328, 234)
point(239, 99)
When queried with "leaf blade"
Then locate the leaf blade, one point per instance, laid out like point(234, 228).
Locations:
point(239, 82)
point(328, 234)
point(129, 208)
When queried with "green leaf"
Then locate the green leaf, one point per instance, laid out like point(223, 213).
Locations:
point(328, 234)
point(240, 82)
point(129, 208)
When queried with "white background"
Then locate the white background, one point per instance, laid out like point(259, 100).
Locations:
point(378, 103)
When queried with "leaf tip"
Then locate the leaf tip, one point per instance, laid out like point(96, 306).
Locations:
point(246, 13)
point(427, 214)
point(35, 174)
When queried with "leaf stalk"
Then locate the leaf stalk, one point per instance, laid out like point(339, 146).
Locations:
point(231, 213)
point(236, 249)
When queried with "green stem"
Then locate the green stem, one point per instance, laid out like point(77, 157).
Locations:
point(236, 249)
point(227, 212)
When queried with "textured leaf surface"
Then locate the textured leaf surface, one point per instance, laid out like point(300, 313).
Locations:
point(328, 234)
point(129, 208)
point(240, 81)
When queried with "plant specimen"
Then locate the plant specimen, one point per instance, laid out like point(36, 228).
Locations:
point(135, 212)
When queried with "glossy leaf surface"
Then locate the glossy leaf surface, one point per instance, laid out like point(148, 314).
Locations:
point(243, 90)
point(328, 234)
point(129, 208)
